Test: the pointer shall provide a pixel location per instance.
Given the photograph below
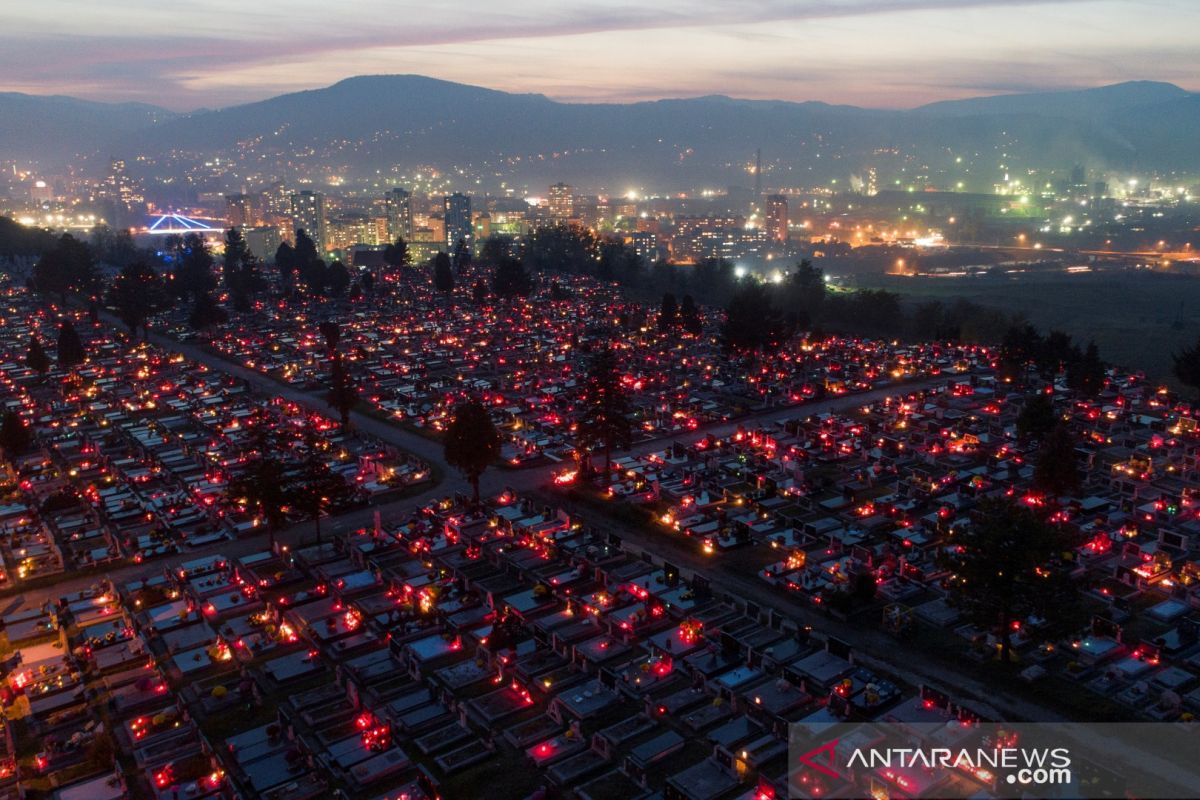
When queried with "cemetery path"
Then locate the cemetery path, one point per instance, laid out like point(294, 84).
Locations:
point(540, 476)
point(520, 480)
point(419, 446)
point(873, 647)
point(293, 536)
point(492, 483)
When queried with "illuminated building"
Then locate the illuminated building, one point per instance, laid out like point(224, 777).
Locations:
point(243, 210)
point(308, 213)
point(509, 223)
point(40, 192)
point(777, 218)
point(428, 239)
point(483, 226)
point(457, 219)
point(118, 196)
point(648, 225)
point(399, 215)
point(350, 229)
point(262, 241)
point(277, 201)
point(561, 203)
point(698, 238)
point(645, 244)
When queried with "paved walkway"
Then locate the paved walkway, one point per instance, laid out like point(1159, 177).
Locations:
point(493, 482)
point(496, 480)
point(872, 646)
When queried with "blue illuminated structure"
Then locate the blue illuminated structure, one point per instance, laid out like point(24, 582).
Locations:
point(177, 223)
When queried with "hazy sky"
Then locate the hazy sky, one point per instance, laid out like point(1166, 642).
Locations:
point(887, 53)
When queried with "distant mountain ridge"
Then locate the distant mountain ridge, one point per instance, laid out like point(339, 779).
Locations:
point(374, 124)
point(1069, 103)
point(55, 128)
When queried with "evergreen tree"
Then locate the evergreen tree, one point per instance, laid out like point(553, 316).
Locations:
point(1085, 374)
point(443, 274)
point(1021, 348)
point(315, 488)
point(1057, 469)
point(337, 279)
point(396, 254)
point(1037, 418)
point(70, 347)
point(343, 392)
point(804, 292)
point(36, 358)
point(1056, 352)
point(331, 332)
point(557, 292)
point(668, 315)
point(714, 280)
point(479, 292)
point(689, 315)
point(309, 263)
point(206, 314)
point(116, 248)
point(462, 256)
point(15, 435)
point(1000, 567)
point(472, 442)
point(285, 262)
point(511, 280)
point(138, 293)
point(262, 485)
point(235, 256)
point(561, 248)
point(68, 266)
point(604, 410)
point(248, 285)
point(617, 261)
point(194, 272)
point(752, 323)
point(1186, 365)
point(496, 248)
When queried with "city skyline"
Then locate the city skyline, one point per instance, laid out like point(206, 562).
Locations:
point(855, 51)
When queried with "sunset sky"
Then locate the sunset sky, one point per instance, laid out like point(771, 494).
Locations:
point(882, 53)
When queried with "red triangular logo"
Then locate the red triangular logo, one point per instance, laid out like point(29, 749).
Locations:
point(809, 759)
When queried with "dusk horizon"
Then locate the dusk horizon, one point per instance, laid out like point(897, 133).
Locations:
point(219, 53)
point(699, 95)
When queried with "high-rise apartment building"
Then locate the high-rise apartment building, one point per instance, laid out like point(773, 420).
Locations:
point(457, 218)
point(399, 215)
point(243, 210)
point(777, 219)
point(308, 212)
point(561, 203)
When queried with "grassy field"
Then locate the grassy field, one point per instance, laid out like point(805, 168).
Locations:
point(1137, 319)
